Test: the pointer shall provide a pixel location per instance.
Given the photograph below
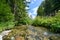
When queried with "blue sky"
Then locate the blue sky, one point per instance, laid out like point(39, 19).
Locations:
point(33, 6)
point(34, 3)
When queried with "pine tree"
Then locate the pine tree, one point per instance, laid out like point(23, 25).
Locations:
point(18, 9)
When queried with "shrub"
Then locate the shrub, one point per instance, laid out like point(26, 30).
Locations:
point(6, 16)
point(53, 23)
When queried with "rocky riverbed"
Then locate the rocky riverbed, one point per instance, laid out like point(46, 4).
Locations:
point(31, 33)
point(41, 33)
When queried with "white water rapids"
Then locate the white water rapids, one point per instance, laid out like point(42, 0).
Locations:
point(4, 33)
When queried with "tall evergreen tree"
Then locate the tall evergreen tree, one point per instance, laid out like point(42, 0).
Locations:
point(6, 16)
point(49, 8)
point(40, 10)
point(5, 11)
point(18, 9)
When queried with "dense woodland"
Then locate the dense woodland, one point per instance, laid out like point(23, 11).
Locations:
point(48, 15)
point(49, 7)
point(13, 13)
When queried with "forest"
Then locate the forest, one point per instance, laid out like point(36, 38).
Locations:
point(11, 13)
point(14, 16)
point(48, 15)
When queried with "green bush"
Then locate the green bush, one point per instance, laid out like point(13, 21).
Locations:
point(53, 23)
point(24, 21)
point(43, 21)
point(6, 16)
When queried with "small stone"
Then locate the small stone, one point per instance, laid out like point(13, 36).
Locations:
point(12, 38)
point(45, 38)
point(19, 38)
point(45, 33)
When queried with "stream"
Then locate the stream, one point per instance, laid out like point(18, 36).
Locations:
point(36, 33)
point(33, 34)
point(4, 33)
point(40, 33)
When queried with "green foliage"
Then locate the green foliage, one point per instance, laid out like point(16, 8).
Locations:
point(40, 11)
point(52, 23)
point(5, 12)
point(12, 12)
point(6, 16)
point(49, 8)
point(22, 14)
point(6, 25)
point(18, 9)
point(24, 21)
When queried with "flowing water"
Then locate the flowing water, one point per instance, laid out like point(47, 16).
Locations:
point(33, 34)
point(40, 33)
point(4, 33)
point(36, 33)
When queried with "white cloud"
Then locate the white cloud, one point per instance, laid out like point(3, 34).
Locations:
point(33, 1)
point(29, 13)
point(28, 0)
point(31, 16)
point(26, 8)
point(35, 10)
point(34, 13)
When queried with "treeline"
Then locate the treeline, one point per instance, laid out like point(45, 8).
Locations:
point(48, 15)
point(12, 13)
point(49, 7)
